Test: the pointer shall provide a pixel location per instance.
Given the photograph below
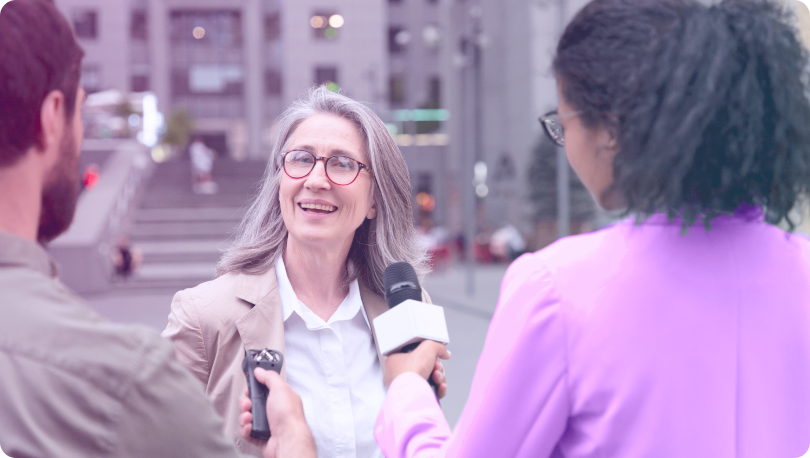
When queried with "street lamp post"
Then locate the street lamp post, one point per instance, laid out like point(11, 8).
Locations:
point(563, 176)
point(473, 136)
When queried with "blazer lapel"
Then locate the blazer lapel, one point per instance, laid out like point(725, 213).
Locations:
point(263, 326)
point(375, 306)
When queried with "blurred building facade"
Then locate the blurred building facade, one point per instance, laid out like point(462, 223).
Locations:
point(234, 65)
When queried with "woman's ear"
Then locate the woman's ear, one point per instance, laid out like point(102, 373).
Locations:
point(607, 141)
point(372, 212)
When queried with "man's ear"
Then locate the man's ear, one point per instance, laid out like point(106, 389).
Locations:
point(53, 120)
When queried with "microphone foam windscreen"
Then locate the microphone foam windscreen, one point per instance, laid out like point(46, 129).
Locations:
point(401, 278)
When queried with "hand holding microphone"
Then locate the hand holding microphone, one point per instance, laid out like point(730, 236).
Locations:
point(402, 331)
point(285, 416)
point(423, 361)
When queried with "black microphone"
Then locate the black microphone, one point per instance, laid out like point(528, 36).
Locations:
point(402, 284)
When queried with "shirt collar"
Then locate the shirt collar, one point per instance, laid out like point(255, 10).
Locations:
point(20, 252)
point(290, 303)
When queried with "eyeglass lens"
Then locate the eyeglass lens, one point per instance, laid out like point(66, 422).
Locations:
point(555, 130)
point(341, 170)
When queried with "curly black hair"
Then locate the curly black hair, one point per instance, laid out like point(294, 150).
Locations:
point(708, 104)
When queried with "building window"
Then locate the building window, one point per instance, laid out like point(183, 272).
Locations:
point(218, 28)
point(85, 24)
point(326, 25)
point(140, 83)
point(208, 80)
point(395, 1)
point(398, 39)
point(272, 27)
point(138, 26)
point(326, 75)
point(272, 82)
point(396, 90)
point(91, 78)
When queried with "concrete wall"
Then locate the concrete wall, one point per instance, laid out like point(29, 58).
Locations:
point(83, 251)
point(109, 51)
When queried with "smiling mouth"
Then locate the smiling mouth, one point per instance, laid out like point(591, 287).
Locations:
point(317, 208)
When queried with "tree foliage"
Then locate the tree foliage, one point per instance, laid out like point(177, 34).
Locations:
point(542, 176)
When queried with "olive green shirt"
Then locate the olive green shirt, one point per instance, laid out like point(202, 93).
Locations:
point(73, 384)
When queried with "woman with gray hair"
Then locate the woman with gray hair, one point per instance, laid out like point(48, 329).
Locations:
point(305, 275)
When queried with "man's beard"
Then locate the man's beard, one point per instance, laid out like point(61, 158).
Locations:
point(61, 191)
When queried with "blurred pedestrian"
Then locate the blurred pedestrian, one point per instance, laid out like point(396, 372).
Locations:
point(202, 164)
point(507, 243)
point(126, 259)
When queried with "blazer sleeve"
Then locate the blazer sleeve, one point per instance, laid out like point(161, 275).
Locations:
point(184, 331)
point(518, 404)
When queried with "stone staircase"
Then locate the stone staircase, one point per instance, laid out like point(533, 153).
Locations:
point(182, 234)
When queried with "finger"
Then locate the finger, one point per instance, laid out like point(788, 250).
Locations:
point(245, 430)
point(247, 393)
point(438, 366)
point(269, 378)
point(441, 351)
point(442, 390)
point(438, 377)
point(246, 418)
point(434, 349)
point(244, 405)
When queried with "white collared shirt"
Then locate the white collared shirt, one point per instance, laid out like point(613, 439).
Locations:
point(334, 367)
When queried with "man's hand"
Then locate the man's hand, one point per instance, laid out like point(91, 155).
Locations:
point(290, 435)
point(424, 360)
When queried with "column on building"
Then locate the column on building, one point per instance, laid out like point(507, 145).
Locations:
point(254, 71)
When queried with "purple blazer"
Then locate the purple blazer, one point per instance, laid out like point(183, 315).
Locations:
point(634, 342)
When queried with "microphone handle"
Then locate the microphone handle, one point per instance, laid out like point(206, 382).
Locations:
point(411, 347)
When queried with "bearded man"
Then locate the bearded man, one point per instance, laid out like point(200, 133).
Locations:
point(71, 383)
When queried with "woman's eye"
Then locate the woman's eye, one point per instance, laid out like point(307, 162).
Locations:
point(302, 158)
point(343, 164)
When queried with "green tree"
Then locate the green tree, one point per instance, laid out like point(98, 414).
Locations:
point(179, 128)
point(542, 176)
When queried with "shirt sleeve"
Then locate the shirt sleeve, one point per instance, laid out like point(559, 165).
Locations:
point(518, 404)
point(166, 413)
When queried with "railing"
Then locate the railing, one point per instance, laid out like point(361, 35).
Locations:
point(83, 252)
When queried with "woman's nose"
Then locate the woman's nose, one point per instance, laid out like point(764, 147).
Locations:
point(317, 179)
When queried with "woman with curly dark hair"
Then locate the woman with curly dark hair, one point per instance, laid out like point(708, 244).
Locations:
point(683, 331)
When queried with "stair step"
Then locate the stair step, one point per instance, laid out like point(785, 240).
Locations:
point(203, 271)
point(182, 234)
point(159, 215)
point(199, 246)
point(202, 229)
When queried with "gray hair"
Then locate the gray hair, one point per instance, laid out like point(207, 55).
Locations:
point(390, 237)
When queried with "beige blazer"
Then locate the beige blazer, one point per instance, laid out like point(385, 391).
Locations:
point(211, 326)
